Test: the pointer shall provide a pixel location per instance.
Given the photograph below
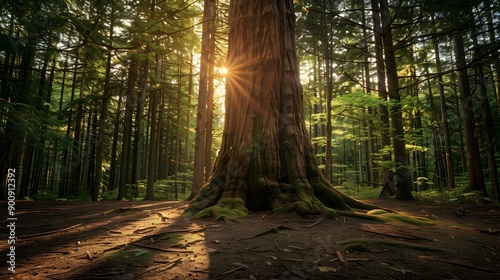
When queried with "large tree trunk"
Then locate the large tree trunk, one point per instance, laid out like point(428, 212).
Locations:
point(266, 159)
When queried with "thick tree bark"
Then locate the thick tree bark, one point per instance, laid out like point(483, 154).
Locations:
point(266, 160)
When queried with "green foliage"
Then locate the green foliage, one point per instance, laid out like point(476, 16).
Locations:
point(164, 190)
point(460, 194)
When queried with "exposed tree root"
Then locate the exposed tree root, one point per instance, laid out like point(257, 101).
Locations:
point(384, 216)
point(305, 197)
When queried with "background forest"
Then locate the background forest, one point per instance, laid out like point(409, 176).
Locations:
point(124, 99)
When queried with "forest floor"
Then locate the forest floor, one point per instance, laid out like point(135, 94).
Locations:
point(150, 240)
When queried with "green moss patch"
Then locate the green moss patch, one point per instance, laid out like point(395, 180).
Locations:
point(232, 208)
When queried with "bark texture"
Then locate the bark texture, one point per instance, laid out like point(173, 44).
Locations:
point(266, 160)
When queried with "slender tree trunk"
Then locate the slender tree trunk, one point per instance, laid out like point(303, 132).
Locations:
point(403, 179)
point(153, 143)
point(370, 142)
point(202, 122)
point(164, 137)
point(328, 127)
point(177, 149)
point(127, 130)
point(96, 184)
point(44, 94)
point(114, 147)
point(210, 89)
point(77, 143)
point(137, 145)
point(26, 174)
point(489, 127)
point(90, 153)
point(450, 177)
point(185, 163)
point(385, 140)
point(493, 38)
point(67, 162)
point(475, 171)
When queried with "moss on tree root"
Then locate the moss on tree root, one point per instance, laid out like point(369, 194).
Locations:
point(232, 208)
point(304, 197)
point(382, 215)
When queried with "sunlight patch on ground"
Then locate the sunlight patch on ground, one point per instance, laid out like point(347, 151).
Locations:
point(145, 240)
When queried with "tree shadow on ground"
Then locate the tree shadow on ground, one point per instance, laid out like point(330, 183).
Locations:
point(151, 240)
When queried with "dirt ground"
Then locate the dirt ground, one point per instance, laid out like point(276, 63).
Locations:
point(150, 240)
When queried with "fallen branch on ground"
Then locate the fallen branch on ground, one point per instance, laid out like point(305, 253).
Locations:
point(315, 223)
point(271, 230)
point(161, 249)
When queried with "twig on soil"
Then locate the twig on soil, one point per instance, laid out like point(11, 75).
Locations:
point(144, 230)
point(490, 231)
point(276, 244)
point(168, 266)
point(315, 223)
point(350, 260)
point(189, 230)
point(162, 216)
point(238, 267)
point(271, 230)
point(115, 247)
point(258, 251)
point(457, 263)
point(341, 258)
point(121, 210)
point(293, 260)
point(161, 249)
point(49, 232)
